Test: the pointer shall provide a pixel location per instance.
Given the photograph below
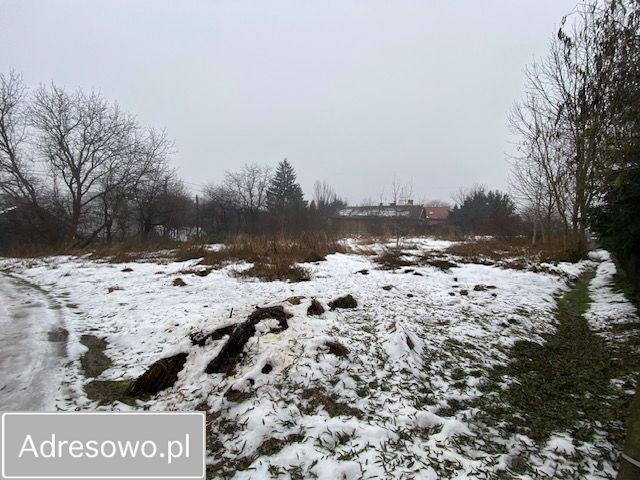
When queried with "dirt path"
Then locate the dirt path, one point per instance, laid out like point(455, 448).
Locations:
point(32, 346)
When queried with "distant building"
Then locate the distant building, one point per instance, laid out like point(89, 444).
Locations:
point(436, 215)
point(386, 218)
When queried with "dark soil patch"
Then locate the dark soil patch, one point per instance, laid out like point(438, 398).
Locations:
point(439, 263)
point(278, 312)
point(178, 282)
point(267, 368)
point(271, 446)
point(109, 391)
point(482, 288)
point(410, 343)
point(159, 376)
point(199, 272)
point(343, 302)
point(337, 349)
point(237, 396)
point(230, 353)
point(393, 258)
point(228, 357)
point(625, 327)
point(127, 270)
point(58, 335)
point(315, 308)
point(387, 287)
point(363, 272)
point(317, 397)
point(94, 361)
point(227, 467)
point(200, 338)
point(113, 289)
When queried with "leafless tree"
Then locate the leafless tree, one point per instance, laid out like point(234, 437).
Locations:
point(435, 203)
point(149, 193)
point(250, 185)
point(562, 123)
point(465, 192)
point(221, 211)
point(83, 139)
point(401, 192)
point(323, 194)
point(123, 186)
point(17, 181)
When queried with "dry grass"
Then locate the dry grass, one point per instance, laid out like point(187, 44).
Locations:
point(392, 258)
point(120, 252)
point(131, 251)
point(300, 249)
point(33, 251)
point(274, 258)
point(279, 270)
point(190, 251)
point(495, 250)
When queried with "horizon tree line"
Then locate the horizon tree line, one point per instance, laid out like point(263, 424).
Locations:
point(76, 169)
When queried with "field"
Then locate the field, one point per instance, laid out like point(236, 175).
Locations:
point(453, 361)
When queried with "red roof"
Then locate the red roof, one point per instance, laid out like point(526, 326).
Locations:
point(436, 213)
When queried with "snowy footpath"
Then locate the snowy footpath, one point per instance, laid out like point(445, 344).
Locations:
point(32, 346)
point(419, 344)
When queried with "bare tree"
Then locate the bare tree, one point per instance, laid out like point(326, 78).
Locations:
point(16, 177)
point(125, 181)
point(435, 203)
point(325, 198)
point(221, 210)
point(323, 194)
point(148, 195)
point(563, 124)
point(83, 138)
point(401, 192)
point(249, 186)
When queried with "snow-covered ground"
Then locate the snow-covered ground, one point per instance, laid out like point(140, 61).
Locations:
point(30, 358)
point(417, 348)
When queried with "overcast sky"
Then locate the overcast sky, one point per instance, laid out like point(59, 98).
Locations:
point(351, 92)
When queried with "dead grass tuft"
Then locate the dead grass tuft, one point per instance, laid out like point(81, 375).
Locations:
point(440, 263)
point(130, 251)
point(275, 258)
point(33, 251)
point(190, 251)
point(280, 270)
point(393, 258)
point(318, 398)
point(518, 253)
point(303, 248)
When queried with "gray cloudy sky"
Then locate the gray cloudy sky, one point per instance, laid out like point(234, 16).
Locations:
point(351, 92)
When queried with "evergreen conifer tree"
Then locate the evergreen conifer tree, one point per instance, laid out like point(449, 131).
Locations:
point(284, 192)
